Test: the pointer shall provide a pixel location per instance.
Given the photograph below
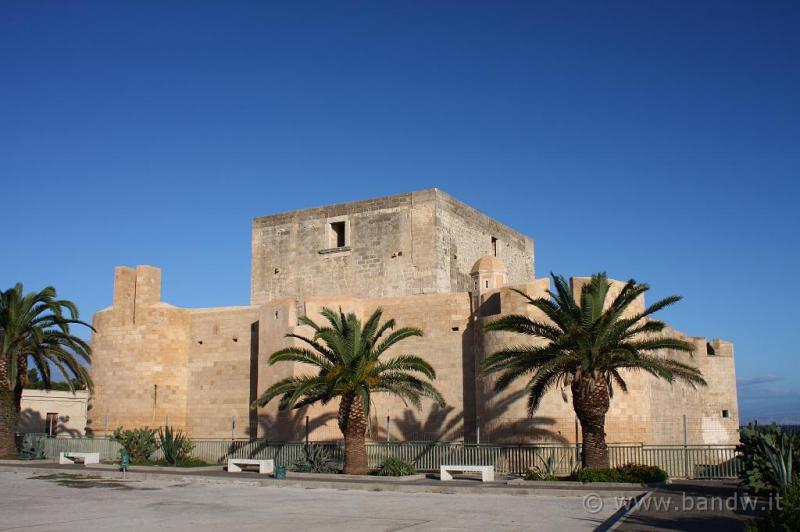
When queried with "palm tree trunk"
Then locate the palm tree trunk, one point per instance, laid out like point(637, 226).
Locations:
point(353, 424)
point(9, 413)
point(591, 401)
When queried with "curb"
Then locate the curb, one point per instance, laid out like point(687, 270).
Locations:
point(586, 485)
point(336, 477)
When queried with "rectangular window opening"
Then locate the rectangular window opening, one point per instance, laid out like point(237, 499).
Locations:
point(725, 413)
point(51, 423)
point(338, 233)
point(494, 246)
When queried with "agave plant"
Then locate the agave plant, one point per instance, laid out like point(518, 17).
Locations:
point(550, 465)
point(395, 467)
point(548, 470)
point(175, 445)
point(779, 455)
point(315, 460)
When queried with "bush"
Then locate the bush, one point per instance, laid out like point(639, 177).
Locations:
point(139, 443)
point(315, 460)
point(785, 519)
point(762, 448)
point(186, 462)
point(638, 474)
point(190, 461)
point(175, 445)
point(547, 469)
point(535, 473)
point(642, 473)
point(395, 467)
point(597, 474)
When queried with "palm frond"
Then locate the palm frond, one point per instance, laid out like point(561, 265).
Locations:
point(588, 339)
point(524, 325)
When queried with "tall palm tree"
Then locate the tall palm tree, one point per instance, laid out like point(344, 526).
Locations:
point(588, 346)
point(35, 327)
point(346, 357)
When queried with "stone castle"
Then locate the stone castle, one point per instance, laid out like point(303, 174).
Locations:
point(428, 261)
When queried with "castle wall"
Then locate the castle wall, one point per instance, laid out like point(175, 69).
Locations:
point(210, 364)
point(155, 363)
point(218, 387)
point(389, 251)
point(504, 415)
point(447, 344)
point(651, 411)
point(414, 243)
point(466, 234)
point(703, 406)
point(140, 356)
point(411, 255)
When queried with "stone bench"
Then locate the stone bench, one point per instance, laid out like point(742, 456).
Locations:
point(71, 458)
point(264, 466)
point(487, 472)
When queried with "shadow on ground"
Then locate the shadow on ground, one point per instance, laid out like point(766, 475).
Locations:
point(88, 481)
point(702, 506)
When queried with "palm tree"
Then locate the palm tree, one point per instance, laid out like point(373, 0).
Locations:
point(35, 327)
point(346, 357)
point(588, 346)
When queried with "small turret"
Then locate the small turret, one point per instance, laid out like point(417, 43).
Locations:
point(488, 273)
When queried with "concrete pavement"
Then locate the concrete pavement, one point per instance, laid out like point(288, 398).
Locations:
point(60, 501)
point(686, 505)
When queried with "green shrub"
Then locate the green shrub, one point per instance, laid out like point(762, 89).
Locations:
point(642, 473)
point(535, 473)
point(781, 458)
point(175, 445)
point(139, 443)
point(635, 473)
point(597, 474)
point(315, 460)
point(189, 461)
point(787, 517)
point(762, 448)
point(547, 469)
point(395, 467)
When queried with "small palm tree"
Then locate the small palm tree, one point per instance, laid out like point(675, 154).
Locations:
point(35, 327)
point(588, 347)
point(346, 356)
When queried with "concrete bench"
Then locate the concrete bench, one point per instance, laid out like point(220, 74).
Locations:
point(486, 471)
point(264, 466)
point(72, 458)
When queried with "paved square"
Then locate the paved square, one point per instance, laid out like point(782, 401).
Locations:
point(61, 502)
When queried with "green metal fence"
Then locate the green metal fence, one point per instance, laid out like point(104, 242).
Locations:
point(693, 461)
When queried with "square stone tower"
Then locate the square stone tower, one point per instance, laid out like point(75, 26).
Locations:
point(421, 242)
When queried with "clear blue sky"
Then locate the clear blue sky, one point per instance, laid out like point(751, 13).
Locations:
point(658, 140)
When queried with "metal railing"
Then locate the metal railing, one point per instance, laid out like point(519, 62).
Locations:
point(691, 461)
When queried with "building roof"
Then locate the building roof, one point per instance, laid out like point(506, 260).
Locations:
point(489, 263)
